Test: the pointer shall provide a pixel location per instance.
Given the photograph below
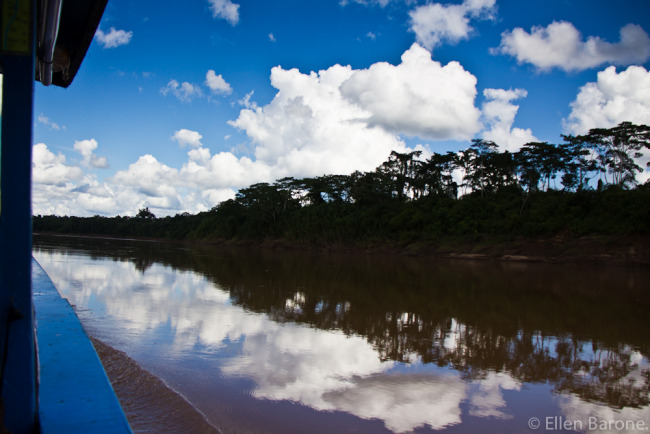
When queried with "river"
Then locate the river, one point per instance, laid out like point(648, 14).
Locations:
point(297, 342)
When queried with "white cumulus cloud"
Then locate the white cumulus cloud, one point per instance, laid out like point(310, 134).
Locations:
point(613, 98)
point(309, 128)
point(189, 138)
point(52, 169)
point(184, 91)
point(340, 119)
point(246, 101)
point(560, 45)
point(46, 121)
point(499, 116)
point(216, 83)
point(418, 97)
point(86, 148)
point(64, 188)
point(333, 121)
point(150, 177)
point(435, 23)
point(224, 171)
point(225, 9)
point(114, 38)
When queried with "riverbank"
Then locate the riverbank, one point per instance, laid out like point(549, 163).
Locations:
point(630, 250)
point(552, 226)
point(620, 250)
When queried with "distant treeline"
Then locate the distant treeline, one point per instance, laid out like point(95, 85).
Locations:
point(586, 185)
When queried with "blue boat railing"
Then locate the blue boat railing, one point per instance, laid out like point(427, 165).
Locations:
point(74, 393)
point(51, 379)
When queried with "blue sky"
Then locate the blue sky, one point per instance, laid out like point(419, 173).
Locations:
point(177, 107)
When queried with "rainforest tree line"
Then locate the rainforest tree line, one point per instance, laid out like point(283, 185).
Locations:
point(587, 184)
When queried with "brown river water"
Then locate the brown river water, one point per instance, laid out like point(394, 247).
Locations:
point(209, 339)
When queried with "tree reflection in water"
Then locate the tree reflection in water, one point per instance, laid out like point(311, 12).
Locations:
point(583, 330)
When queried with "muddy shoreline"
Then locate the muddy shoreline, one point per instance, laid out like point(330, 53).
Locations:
point(630, 250)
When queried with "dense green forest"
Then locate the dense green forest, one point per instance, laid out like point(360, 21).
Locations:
point(585, 185)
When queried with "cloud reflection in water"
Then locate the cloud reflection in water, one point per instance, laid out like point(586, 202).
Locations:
point(328, 370)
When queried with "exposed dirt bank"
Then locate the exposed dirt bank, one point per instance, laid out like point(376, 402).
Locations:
point(629, 250)
point(620, 250)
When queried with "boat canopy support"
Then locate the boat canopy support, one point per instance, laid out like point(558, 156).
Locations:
point(44, 40)
point(17, 339)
